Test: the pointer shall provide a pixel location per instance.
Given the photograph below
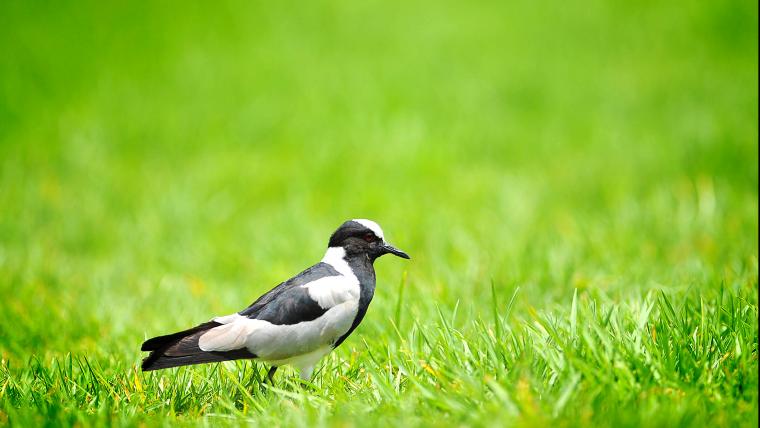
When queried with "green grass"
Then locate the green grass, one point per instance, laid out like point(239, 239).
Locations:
point(576, 184)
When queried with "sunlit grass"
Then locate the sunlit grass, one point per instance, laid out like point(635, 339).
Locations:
point(592, 363)
point(576, 185)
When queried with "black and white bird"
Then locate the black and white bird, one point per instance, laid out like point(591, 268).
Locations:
point(299, 321)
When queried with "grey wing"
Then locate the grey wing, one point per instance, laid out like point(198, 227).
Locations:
point(289, 302)
point(291, 307)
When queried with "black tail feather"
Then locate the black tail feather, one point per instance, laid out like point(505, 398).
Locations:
point(164, 362)
point(181, 349)
point(159, 342)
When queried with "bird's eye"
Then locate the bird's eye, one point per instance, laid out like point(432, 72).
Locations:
point(369, 237)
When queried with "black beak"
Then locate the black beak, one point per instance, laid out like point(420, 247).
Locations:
point(388, 248)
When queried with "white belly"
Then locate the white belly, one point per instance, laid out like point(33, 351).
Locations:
point(273, 342)
point(277, 342)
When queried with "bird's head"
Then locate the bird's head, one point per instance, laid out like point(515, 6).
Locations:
point(363, 237)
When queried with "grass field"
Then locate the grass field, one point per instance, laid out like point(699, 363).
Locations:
point(577, 185)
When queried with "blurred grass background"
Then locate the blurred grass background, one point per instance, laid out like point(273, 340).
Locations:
point(162, 162)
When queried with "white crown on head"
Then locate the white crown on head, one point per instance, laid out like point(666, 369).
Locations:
point(371, 225)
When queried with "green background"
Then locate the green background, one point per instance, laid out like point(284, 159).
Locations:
point(576, 183)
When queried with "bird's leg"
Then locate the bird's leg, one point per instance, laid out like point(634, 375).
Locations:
point(270, 375)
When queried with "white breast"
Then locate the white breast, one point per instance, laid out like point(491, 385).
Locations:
point(333, 290)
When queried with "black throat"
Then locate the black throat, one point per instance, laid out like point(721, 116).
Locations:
point(362, 267)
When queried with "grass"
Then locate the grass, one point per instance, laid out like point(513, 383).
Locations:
point(576, 185)
point(677, 366)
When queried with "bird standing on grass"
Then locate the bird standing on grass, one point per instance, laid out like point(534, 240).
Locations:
point(299, 321)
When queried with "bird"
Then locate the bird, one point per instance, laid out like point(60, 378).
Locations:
point(297, 322)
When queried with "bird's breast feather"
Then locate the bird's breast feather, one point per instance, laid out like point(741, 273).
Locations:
point(333, 290)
